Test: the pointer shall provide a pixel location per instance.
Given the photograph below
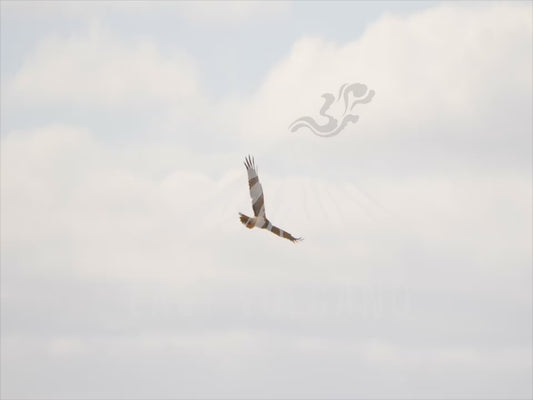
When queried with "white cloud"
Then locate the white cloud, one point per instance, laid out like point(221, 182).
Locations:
point(421, 71)
point(61, 186)
point(416, 224)
point(97, 68)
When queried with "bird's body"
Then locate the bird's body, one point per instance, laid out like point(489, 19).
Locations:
point(258, 204)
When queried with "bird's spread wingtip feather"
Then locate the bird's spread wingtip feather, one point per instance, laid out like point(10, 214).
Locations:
point(249, 162)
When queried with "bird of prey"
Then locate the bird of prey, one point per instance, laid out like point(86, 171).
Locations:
point(258, 204)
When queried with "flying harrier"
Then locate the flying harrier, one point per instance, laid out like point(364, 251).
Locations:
point(258, 204)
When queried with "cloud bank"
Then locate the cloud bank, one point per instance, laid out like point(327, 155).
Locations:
point(125, 271)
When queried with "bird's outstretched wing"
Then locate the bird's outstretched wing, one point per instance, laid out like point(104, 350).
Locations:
point(256, 190)
point(280, 232)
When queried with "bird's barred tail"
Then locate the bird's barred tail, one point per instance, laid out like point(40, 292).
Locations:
point(245, 219)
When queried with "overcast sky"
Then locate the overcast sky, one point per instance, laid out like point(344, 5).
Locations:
point(125, 272)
